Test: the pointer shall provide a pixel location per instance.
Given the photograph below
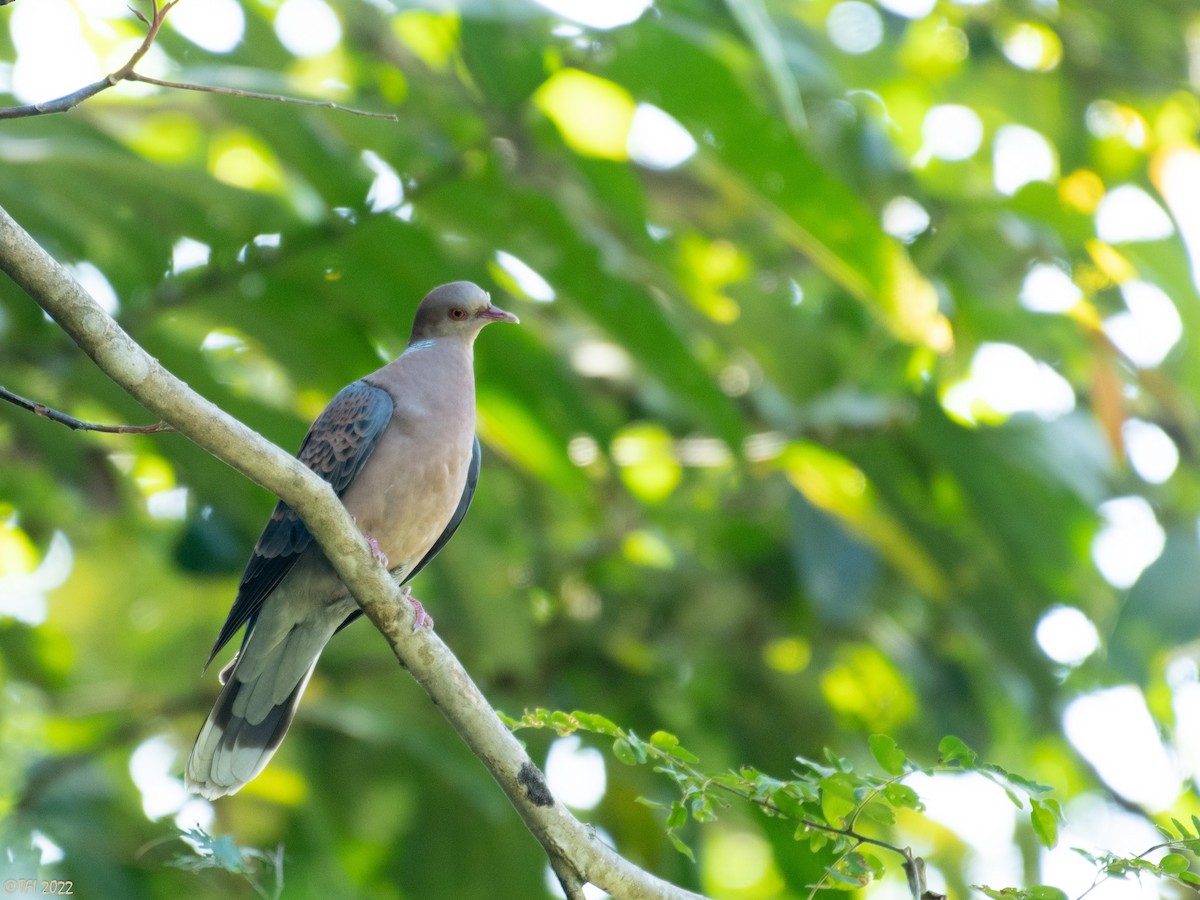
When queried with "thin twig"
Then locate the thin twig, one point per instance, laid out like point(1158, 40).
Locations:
point(41, 409)
point(127, 73)
point(257, 95)
point(62, 104)
point(155, 23)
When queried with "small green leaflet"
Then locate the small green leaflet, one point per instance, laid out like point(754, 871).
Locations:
point(888, 754)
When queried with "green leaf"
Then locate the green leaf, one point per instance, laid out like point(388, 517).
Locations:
point(596, 723)
point(815, 767)
point(653, 804)
point(1026, 784)
point(1045, 892)
point(663, 740)
point(879, 813)
point(837, 799)
point(702, 809)
point(1045, 823)
point(1182, 829)
point(678, 815)
point(1174, 863)
point(684, 755)
point(623, 751)
point(888, 754)
point(679, 845)
point(787, 804)
point(843, 878)
point(509, 722)
point(1014, 798)
point(638, 746)
point(840, 763)
point(901, 795)
point(873, 864)
point(954, 750)
point(816, 839)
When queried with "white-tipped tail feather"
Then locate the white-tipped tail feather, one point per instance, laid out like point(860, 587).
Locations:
point(231, 750)
point(255, 708)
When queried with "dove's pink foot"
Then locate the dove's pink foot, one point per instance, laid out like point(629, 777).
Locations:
point(421, 619)
point(375, 551)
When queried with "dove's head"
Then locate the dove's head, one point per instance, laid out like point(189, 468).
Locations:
point(458, 309)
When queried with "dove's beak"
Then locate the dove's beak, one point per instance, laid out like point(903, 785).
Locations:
point(496, 314)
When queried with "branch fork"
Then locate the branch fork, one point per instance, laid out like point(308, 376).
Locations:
point(128, 72)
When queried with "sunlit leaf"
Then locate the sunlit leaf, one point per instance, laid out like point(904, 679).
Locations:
point(592, 114)
point(1174, 863)
point(888, 754)
point(953, 750)
point(1045, 824)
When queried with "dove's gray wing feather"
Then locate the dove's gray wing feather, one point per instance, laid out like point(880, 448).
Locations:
point(336, 447)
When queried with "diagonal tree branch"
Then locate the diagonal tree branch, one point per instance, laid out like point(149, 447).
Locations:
point(575, 852)
point(127, 73)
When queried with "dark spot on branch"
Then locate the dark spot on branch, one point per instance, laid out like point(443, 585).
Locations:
point(535, 785)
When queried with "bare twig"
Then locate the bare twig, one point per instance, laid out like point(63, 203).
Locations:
point(258, 95)
point(41, 409)
point(127, 73)
point(62, 104)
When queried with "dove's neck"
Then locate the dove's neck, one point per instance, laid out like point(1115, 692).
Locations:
point(447, 359)
point(431, 375)
point(443, 348)
point(432, 381)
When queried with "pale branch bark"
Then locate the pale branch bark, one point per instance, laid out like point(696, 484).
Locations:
point(127, 73)
point(41, 409)
point(575, 852)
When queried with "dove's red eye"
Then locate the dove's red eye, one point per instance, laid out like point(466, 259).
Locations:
point(457, 312)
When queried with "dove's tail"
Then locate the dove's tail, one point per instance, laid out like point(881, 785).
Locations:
point(262, 690)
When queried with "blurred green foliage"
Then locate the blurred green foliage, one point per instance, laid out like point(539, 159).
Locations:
point(725, 493)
